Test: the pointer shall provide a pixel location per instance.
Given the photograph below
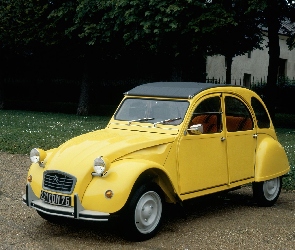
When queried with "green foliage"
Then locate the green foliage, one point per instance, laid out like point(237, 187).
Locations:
point(176, 26)
point(285, 121)
point(281, 9)
point(22, 130)
point(23, 22)
point(152, 22)
point(173, 27)
point(232, 28)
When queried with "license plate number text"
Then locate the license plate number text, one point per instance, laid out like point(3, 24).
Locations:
point(56, 199)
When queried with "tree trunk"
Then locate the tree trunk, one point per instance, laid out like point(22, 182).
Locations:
point(1, 82)
point(229, 61)
point(273, 24)
point(84, 99)
point(1, 95)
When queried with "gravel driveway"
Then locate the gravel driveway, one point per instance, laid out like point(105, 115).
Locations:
point(226, 221)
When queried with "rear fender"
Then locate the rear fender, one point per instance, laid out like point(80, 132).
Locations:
point(271, 160)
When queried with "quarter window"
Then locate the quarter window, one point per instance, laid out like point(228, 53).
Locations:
point(262, 118)
point(238, 117)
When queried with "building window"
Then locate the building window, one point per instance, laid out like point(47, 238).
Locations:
point(247, 80)
point(282, 67)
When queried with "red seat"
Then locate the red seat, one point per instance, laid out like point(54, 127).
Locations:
point(209, 123)
point(237, 123)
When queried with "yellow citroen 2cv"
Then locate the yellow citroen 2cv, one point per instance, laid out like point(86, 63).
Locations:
point(166, 142)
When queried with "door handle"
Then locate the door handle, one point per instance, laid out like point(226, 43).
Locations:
point(222, 138)
point(255, 136)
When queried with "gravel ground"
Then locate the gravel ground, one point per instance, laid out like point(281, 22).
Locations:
point(227, 221)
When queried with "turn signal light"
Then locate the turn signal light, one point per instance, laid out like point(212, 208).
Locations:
point(109, 194)
point(30, 178)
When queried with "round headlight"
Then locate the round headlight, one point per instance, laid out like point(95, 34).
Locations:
point(100, 165)
point(34, 155)
point(37, 155)
point(99, 170)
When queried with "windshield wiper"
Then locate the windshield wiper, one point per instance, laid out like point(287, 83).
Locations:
point(166, 121)
point(140, 120)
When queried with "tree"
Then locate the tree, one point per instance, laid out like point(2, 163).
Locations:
point(272, 14)
point(180, 29)
point(231, 29)
point(110, 29)
point(19, 23)
point(88, 27)
point(177, 30)
point(27, 29)
point(140, 27)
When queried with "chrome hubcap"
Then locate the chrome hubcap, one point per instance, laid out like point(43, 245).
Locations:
point(271, 188)
point(148, 212)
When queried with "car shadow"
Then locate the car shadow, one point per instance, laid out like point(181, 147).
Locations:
point(203, 205)
point(190, 210)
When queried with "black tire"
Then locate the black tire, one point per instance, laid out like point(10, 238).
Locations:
point(143, 213)
point(266, 193)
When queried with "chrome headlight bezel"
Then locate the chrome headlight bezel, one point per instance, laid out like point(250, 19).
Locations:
point(100, 165)
point(37, 155)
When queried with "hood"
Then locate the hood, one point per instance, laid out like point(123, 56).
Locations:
point(78, 154)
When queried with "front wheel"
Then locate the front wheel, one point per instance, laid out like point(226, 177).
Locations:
point(143, 213)
point(266, 193)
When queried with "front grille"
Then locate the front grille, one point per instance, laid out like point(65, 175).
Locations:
point(58, 181)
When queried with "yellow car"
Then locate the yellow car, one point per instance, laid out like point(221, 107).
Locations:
point(166, 142)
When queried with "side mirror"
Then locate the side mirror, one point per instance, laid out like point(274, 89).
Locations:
point(196, 129)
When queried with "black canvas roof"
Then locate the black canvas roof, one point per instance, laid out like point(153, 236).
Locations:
point(171, 89)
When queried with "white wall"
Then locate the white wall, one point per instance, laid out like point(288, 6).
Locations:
point(256, 66)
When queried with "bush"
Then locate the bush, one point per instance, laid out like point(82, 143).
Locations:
point(285, 94)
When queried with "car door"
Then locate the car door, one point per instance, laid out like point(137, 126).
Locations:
point(202, 160)
point(240, 139)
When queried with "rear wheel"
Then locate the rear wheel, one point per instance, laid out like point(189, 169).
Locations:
point(266, 193)
point(143, 213)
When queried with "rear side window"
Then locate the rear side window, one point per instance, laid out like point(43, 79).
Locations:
point(238, 117)
point(262, 118)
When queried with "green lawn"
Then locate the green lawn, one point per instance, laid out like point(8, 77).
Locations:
point(286, 137)
point(23, 130)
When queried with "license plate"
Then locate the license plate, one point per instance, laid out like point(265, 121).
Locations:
point(56, 199)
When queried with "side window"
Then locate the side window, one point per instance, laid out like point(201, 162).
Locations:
point(238, 117)
point(208, 113)
point(260, 113)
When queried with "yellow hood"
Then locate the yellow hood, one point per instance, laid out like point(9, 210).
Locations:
point(78, 154)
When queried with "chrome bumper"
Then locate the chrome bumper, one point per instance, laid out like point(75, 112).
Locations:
point(76, 212)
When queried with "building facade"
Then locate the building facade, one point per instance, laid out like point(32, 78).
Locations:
point(252, 67)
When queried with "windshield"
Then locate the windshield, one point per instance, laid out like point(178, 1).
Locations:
point(152, 111)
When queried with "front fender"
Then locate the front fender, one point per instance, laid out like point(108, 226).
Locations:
point(120, 179)
point(271, 160)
